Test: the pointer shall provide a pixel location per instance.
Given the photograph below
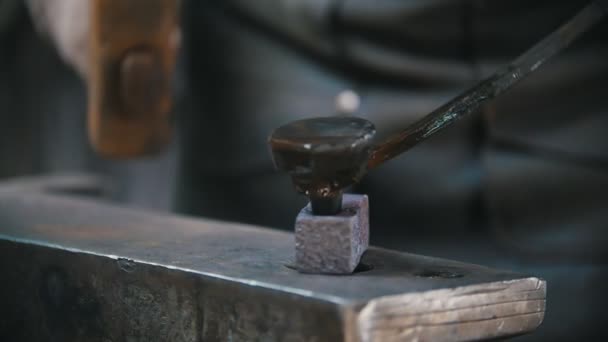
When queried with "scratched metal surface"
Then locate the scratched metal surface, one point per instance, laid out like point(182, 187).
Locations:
point(51, 294)
point(224, 251)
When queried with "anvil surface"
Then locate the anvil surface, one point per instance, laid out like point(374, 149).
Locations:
point(77, 269)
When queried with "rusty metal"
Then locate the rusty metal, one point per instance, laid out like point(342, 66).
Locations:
point(82, 270)
point(301, 148)
point(333, 244)
point(133, 47)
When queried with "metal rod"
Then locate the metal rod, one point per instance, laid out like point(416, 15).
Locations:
point(324, 206)
point(493, 86)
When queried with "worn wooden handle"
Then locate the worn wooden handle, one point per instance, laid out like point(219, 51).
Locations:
point(133, 45)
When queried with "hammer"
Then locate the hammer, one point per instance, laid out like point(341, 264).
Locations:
point(325, 155)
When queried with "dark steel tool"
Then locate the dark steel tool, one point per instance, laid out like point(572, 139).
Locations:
point(326, 155)
point(323, 156)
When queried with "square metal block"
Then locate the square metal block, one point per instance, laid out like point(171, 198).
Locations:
point(333, 244)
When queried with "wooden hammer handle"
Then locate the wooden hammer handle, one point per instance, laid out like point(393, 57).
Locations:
point(133, 46)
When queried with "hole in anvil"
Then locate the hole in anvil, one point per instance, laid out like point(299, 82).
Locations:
point(438, 274)
point(362, 267)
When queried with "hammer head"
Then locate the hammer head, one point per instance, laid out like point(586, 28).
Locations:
point(323, 156)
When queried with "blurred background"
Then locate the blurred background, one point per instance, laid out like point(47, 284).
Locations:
point(521, 185)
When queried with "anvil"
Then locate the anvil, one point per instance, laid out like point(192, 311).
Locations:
point(78, 269)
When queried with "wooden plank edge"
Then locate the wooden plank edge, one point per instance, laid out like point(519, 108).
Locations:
point(466, 313)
